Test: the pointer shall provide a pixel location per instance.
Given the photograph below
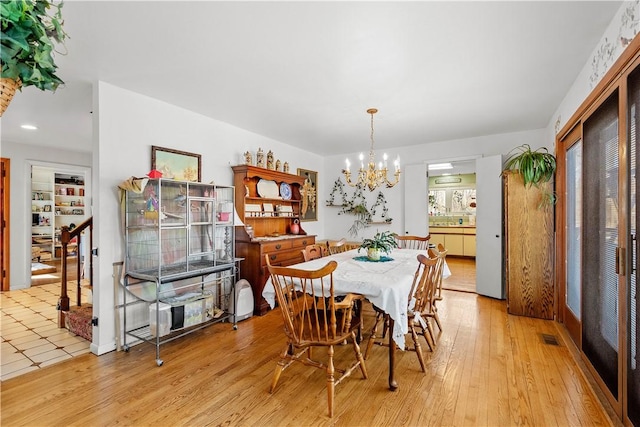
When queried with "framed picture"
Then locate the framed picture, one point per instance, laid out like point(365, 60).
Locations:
point(47, 208)
point(309, 192)
point(175, 164)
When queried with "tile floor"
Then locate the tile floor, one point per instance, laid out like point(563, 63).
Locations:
point(29, 329)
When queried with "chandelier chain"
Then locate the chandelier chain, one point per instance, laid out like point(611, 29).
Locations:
point(371, 153)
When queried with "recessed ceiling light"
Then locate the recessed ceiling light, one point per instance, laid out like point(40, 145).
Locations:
point(29, 127)
point(440, 166)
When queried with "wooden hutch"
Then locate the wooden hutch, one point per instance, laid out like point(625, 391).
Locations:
point(270, 224)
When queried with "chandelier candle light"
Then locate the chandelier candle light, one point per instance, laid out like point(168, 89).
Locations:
point(372, 177)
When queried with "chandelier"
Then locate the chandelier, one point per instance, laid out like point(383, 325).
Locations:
point(372, 177)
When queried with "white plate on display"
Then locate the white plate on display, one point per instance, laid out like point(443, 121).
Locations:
point(285, 191)
point(268, 189)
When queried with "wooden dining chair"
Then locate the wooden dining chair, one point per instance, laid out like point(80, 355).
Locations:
point(441, 254)
point(418, 304)
point(432, 312)
point(337, 246)
point(312, 318)
point(350, 301)
point(314, 251)
point(412, 242)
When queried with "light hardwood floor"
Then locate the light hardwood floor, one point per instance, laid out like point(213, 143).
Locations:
point(488, 369)
point(463, 274)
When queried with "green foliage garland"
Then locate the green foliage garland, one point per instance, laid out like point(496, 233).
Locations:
point(338, 187)
point(357, 206)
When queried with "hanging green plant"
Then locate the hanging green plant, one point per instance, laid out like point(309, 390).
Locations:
point(29, 30)
point(363, 218)
point(535, 166)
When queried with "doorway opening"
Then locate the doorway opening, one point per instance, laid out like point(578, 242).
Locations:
point(452, 220)
point(59, 198)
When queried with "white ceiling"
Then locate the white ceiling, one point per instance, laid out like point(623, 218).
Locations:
point(304, 73)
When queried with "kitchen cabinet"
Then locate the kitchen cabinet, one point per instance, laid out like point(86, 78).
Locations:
point(469, 245)
point(458, 240)
point(454, 243)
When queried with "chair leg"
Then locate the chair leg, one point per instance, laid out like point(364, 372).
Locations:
point(374, 331)
point(360, 358)
point(358, 307)
point(418, 348)
point(431, 332)
point(331, 381)
point(437, 319)
point(280, 366)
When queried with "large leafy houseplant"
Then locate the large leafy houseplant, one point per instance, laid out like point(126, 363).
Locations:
point(29, 30)
point(381, 242)
point(536, 167)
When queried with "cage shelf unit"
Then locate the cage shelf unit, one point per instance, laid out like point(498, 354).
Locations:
point(180, 266)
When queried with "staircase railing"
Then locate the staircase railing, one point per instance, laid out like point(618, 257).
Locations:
point(66, 236)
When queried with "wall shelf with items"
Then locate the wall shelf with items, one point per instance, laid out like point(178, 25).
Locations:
point(42, 221)
point(69, 206)
point(47, 204)
point(269, 202)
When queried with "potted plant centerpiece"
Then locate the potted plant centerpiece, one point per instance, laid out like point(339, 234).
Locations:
point(29, 30)
point(381, 242)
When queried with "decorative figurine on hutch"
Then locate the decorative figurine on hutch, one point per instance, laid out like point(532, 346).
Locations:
point(260, 158)
point(270, 164)
point(295, 227)
point(248, 158)
point(278, 165)
point(286, 167)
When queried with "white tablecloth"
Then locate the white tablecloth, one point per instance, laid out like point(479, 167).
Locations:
point(385, 284)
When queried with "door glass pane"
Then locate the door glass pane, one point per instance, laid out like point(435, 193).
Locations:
point(600, 239)
point(574, 227)
point(633, 366)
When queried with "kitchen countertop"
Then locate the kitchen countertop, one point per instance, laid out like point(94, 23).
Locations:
point(452, 226)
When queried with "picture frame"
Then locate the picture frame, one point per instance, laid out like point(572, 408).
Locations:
point(176, 164)
point(309, 194)
point(47, 208)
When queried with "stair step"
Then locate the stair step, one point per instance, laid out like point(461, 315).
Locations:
point(78, 321)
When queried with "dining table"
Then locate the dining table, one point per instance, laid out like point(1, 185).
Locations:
point(385, 283)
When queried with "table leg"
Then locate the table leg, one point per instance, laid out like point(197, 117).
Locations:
point(393, 385)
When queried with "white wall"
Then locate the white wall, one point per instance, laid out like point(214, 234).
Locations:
point(623, 27)
point(20, 227)
point(128, 124)
point(337, 226)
